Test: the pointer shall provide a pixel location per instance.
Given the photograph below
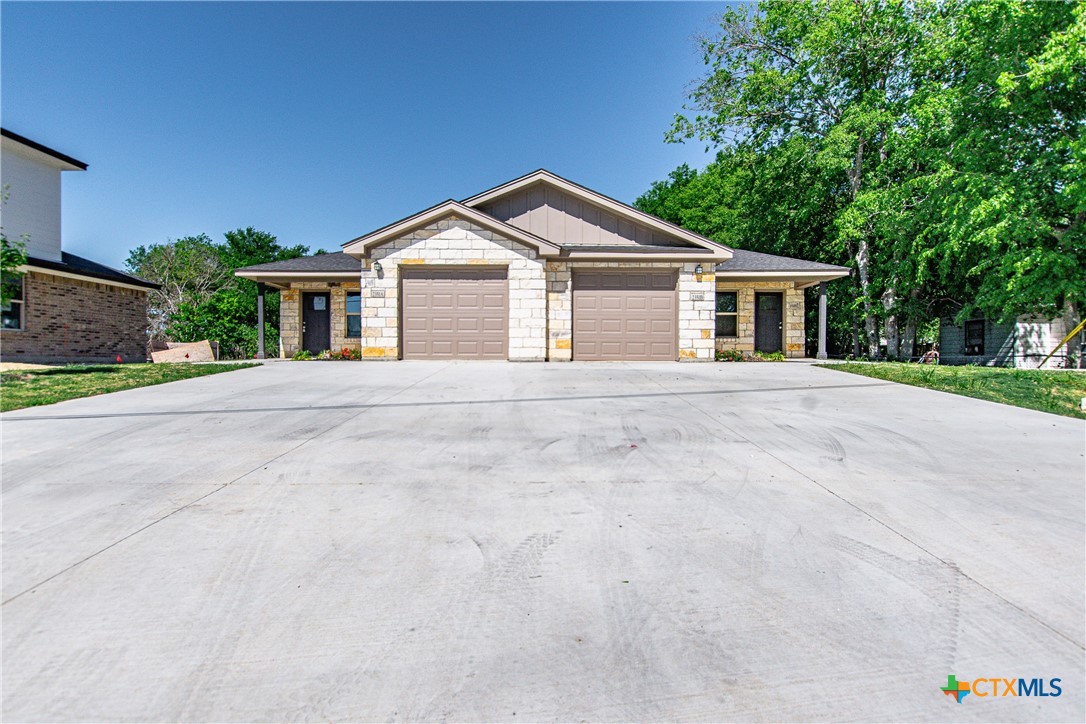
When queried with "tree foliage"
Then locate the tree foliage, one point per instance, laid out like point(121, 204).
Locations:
point(937, 148)
point(12, 256)
point(200, 296)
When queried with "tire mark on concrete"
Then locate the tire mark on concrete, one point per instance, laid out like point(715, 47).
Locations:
point(871, 516)
point(225, 485)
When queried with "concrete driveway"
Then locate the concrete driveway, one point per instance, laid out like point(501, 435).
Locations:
point(495, 541)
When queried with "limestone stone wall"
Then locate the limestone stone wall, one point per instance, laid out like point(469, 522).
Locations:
point(794, 334)
point(455, 242)
point(696, 307)
point(290, 316)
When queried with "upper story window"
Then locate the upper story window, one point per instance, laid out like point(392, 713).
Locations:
point(727, 314)
point(354, 314)
point(12, 316)
point(974, 337)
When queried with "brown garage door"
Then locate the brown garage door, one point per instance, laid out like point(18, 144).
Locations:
point(625, 315)
point(455, 313)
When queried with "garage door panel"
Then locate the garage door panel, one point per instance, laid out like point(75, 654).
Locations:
point(661, 326)
point(661, 304)
point(625, 315)
point(454, 313)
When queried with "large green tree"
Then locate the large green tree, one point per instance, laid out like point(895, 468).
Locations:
point(200, 296)
point(936, 147)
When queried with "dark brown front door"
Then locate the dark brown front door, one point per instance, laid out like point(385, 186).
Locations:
point(316, 330)
point(768, 322)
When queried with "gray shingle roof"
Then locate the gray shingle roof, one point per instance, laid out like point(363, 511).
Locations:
point(85, 267)
point(335, 262)
point(743, 260)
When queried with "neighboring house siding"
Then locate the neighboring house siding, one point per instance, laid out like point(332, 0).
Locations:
point(566, 220)
point(793, 316)
point(33, 207)
point(1023, 343)
point(71, 319)
point(998, 344)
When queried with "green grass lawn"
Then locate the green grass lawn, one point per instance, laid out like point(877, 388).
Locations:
point(1049, 391)
point(32, 387)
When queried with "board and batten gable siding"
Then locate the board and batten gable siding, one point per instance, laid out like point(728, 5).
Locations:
point(566, 220)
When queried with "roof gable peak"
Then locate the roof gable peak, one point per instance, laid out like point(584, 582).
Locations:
point(598, 200)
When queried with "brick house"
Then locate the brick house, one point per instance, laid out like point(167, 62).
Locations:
point(541, 268)
point(67, 308)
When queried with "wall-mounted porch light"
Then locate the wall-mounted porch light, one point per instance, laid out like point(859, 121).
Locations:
point(698, 270)
point(377, 267)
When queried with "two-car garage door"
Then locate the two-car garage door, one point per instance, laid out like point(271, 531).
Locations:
point(625, 315)
point(463, 313)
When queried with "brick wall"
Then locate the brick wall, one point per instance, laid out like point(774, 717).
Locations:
point(69, 319)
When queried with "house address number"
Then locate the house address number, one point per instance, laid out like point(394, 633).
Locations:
point(377, 292)
point(697, 296)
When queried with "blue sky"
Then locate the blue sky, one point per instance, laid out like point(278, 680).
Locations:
point(318, 122)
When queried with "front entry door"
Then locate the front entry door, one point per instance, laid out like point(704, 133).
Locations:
point(316, 329)
point(768, 322)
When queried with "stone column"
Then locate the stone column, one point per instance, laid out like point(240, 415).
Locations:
point(822, 320)
point(260, 289)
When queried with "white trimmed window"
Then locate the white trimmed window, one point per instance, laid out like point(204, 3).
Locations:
point(11, 314)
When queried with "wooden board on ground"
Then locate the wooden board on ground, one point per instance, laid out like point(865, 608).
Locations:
point(192, 352)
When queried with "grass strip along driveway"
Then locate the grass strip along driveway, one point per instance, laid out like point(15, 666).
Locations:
point(30, 388)
point(1048, 391)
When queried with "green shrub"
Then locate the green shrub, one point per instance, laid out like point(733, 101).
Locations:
point(729, 355)
point(302, 355)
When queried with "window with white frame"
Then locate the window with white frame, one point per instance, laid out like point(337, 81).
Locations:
point(727, 314)
point(354, 314)
point(11, 314)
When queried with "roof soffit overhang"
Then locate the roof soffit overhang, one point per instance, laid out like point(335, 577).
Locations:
point(802, 279)
point(361, 246)
point(720, 251)
point(40, 153)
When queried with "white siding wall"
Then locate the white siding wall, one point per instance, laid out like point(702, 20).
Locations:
point(33, 207)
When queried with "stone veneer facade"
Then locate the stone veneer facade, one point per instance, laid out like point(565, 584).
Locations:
point(794, 332)
point(290, 315)
point(540, 295)
point(77, 320)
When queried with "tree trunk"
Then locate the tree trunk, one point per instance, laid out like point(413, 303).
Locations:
point(871, 324)
point(908, 342)
point(863, 256)
point(855, 337)
point(889, 300)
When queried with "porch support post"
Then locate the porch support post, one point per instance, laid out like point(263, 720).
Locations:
point(822, 320)
point(260, 289)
